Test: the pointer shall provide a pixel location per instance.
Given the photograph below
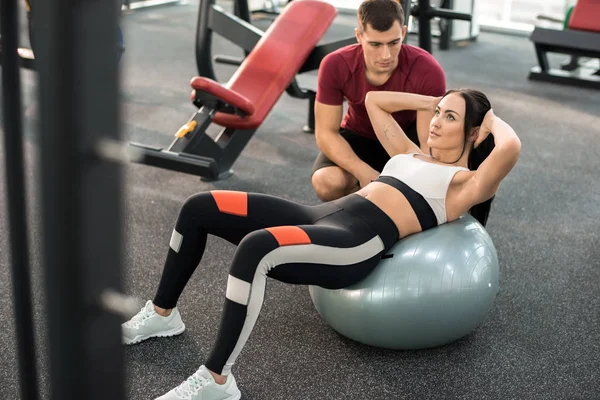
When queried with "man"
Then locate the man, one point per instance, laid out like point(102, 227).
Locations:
point(351, 156)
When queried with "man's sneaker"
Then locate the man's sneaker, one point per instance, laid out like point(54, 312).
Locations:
point(202, 386)
point(147, 323)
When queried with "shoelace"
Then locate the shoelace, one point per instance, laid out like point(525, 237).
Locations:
point(139, 319)
point(191, 386)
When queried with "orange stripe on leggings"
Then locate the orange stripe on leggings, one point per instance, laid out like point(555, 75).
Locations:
point(231, 202)
point(289, 235)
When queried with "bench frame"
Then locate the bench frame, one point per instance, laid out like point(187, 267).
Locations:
point(571, 42)
point(196, 152)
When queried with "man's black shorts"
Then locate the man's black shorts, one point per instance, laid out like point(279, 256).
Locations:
point(368, 150)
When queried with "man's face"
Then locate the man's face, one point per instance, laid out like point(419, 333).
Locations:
point(381, 48)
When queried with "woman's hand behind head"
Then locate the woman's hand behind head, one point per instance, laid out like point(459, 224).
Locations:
point(486, 127)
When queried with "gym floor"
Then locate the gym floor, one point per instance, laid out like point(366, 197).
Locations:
point(541, 340)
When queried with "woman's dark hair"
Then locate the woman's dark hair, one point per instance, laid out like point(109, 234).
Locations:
point(380, 14)
point(476, 106)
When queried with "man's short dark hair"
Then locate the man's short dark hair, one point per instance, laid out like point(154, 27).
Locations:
point(380, 14)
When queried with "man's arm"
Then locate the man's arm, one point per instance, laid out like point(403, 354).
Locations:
point(327, 125)
point(329, 110)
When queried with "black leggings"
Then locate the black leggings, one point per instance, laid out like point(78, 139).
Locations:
point(332, 245)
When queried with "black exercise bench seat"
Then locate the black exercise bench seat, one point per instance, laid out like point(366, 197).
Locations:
point(575, 43)
point(582, 39)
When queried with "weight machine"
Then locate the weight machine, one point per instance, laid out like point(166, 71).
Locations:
point(579, 39)
point(237, 27)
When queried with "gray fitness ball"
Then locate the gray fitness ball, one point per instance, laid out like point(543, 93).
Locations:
point(436, 287)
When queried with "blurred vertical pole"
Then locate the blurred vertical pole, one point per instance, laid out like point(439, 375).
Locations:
point(204, 61)
point(425, 25)
point(17, 203)
point(406, 7)
point(76, 56)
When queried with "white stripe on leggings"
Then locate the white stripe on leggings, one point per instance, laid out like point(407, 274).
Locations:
point(238, 290)
point(305, 253)
point(176, 240)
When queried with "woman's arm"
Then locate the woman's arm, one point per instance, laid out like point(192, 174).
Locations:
point(380, 106)
point(486, 180)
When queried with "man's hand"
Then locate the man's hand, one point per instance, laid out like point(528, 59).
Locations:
point(366, 175)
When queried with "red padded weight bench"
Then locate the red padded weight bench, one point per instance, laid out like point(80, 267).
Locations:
point(240, 106)
point(582, 39)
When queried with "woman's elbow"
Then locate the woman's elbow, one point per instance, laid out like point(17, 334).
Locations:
point(510, 146)
point(511, 151)
point(515, 146)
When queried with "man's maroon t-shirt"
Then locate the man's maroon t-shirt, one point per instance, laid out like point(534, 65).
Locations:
point(342, 75)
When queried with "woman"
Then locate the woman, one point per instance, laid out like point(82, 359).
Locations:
point(334, 244)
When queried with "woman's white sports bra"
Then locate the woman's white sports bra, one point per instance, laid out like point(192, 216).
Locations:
point(427, 179)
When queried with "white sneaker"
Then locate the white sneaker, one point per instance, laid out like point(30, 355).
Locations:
point(202, 386)
point(147, 323)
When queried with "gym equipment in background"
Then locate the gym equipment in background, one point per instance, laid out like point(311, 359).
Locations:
point(580, 40)
point(78, 235)
point(266, 7)
point(138, 4)
point(450, 31)
point(238, 29)
point(240, 106)
point(424, 12)
point(431, 289)
point(16, 209)
point(24, 54)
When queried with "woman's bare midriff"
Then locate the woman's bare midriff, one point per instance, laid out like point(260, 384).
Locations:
point(394, 204)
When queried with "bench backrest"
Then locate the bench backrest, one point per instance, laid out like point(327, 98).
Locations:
point(280, 53)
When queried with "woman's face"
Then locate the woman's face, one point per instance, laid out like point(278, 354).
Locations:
point(447, 127)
